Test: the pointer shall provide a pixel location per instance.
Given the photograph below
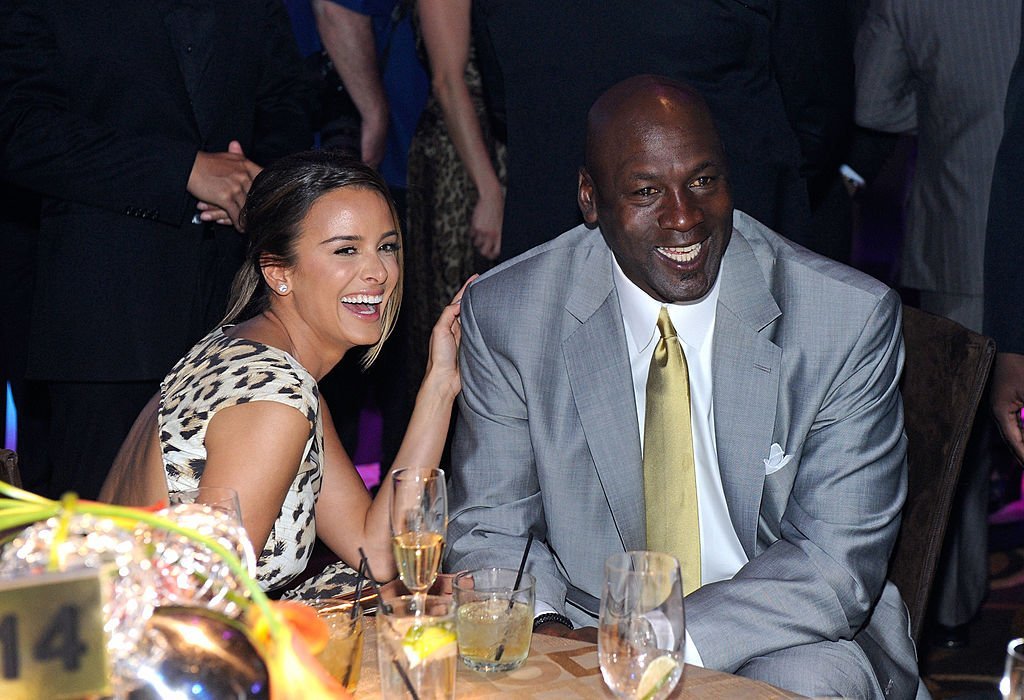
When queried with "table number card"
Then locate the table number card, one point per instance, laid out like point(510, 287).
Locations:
point(52, 643)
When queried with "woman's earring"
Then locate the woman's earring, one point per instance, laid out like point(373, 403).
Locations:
point(282, 288)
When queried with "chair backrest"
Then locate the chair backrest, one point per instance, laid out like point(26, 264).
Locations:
point(945, 373)
point(9, 468)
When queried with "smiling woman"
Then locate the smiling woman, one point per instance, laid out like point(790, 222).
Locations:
point(323, 275)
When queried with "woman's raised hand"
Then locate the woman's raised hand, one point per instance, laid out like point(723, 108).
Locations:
point(443, 358)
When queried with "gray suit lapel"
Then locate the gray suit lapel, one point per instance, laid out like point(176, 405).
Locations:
point(596, 360)
point(746, 367)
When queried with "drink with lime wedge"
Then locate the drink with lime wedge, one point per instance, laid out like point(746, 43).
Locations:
point(641, 629)
point(417, 648)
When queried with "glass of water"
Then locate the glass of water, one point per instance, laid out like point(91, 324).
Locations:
point(641, 629)
point(1012, 683)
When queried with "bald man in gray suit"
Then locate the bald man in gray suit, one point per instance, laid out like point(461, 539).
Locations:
point(793, 363)
point(940, 69)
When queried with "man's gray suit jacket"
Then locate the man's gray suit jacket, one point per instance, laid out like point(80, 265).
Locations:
point(807, 353)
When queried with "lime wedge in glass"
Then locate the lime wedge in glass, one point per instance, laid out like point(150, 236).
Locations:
point(656, 675)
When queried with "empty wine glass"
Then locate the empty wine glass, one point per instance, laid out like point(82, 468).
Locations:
point(216, 497)
point(222, 499)
point(642, 627)
point(419, 524)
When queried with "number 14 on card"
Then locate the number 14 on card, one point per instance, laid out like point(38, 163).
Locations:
point(51, 636)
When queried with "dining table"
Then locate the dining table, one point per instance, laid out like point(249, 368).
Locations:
point(561, 669)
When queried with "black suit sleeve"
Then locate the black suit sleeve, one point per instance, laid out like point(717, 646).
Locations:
point(55, 151)
point(285, 102)
point(812, 55)
point(490, 70)
point(1004, 242)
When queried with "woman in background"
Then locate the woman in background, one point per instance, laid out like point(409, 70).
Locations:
point(456, 173)
point(323, 275)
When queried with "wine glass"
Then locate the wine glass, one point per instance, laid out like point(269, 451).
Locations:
point(219, 498)
point(642, 628)
point(1012, 684)
point(419, 524)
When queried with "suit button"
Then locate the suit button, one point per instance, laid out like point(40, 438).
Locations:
point(188, 49)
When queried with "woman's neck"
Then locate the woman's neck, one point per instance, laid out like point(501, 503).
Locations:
point(273, 329)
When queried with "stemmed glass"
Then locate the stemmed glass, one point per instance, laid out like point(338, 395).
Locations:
point(642, 626)
point(419, 524)
point(216, 497)
point(221, 499)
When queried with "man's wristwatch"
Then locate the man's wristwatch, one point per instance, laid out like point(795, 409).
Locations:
point(547, 617)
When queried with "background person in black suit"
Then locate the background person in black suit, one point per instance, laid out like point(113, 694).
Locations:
point(127, 116)
point(19, 236)
point(1004, 280)
point(545, 63)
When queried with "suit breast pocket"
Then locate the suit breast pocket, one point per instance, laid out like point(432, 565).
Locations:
point(780, 474)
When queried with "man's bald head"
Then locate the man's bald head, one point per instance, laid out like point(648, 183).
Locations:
point(633, 103)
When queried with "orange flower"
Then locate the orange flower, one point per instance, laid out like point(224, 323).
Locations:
point(295, 673)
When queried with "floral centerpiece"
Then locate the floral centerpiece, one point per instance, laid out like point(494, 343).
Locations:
point(153, 553)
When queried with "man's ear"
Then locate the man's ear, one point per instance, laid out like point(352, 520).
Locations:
point(585, 198)
point(276, 274)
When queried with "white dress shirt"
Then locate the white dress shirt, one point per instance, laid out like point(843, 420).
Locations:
point(721, 553)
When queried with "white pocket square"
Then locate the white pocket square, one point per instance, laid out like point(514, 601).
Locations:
point(777, 459)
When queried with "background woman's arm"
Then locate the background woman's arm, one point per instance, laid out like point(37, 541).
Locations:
point(446, 34)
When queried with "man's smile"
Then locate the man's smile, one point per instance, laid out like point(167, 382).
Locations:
point(682, 254)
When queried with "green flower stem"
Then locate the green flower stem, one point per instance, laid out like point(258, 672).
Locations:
point(26, 517)
point(14, 493)
point(33, 508)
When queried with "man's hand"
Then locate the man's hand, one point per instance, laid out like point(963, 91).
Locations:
point(221, 181)
point(557, 629)
point(1007, 399)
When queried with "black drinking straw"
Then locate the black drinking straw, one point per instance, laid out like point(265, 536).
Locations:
point(386, 609)
point(357, 606)
point(365, 564)
point(511, 600)
point(356, 610)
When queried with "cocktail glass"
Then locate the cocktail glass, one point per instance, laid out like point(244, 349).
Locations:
point(494, 618)
point(416, 647)
point(343, 655)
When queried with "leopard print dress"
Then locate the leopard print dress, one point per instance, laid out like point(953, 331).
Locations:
point(222, 371)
